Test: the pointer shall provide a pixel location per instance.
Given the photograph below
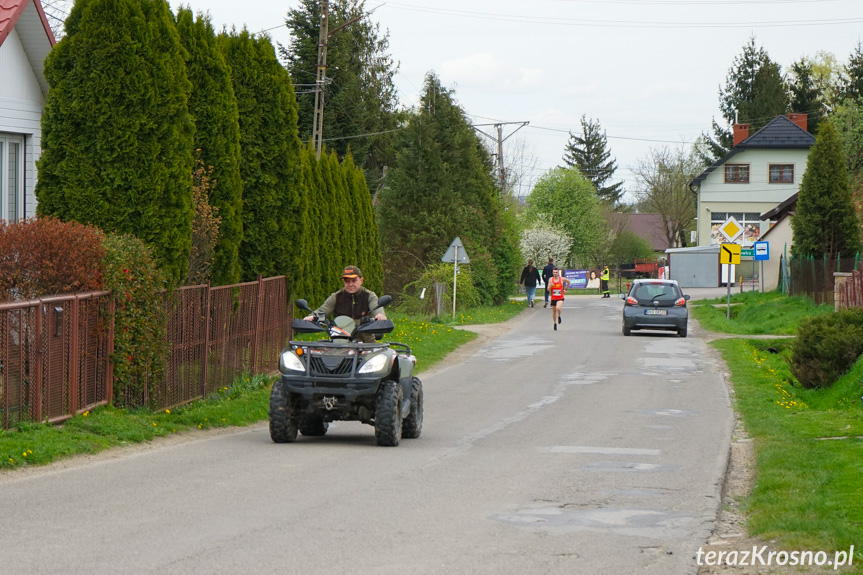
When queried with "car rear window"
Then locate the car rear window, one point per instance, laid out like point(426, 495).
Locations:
point(662, 293)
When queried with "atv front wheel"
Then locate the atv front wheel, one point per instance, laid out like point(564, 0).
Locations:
point(314, 426)
point(283, 423)
point(413, 423)
point(388, 415)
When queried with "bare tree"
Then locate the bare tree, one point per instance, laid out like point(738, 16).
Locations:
point(663, 178)
point(56, 11)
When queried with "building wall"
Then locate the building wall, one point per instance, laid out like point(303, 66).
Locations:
point(21, 105)
point(715, 195)
point(779, 237)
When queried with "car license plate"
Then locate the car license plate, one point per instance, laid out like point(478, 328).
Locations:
point(656, 312)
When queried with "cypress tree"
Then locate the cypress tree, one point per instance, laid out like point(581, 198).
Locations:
point(803, 94)
point(368, 244)
point(117, 133)
point(217, 134)
point(825, 224)
point(270, 166)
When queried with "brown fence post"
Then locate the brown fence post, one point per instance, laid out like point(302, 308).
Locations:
point(109, 385)
point(258, 319)
point(37, 371)
point(74, 368)
point(206, 360)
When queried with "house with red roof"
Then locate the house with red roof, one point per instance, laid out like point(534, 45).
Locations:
point(25, 40)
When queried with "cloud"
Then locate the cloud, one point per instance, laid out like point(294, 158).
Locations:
point(484, 70)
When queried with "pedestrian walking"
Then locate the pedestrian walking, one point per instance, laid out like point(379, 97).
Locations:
point(546, 275)
point(529, 278)
point(557, 286)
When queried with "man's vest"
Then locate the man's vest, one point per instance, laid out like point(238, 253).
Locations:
point(556, 287)
point(605, 274)
point(355, 306)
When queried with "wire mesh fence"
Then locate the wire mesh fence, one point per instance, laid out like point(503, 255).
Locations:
point(54, 352)
point(813, 277)
point(54, 357)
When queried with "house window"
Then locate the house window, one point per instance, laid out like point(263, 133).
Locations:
point(750, 221)
point(11, 177)
point(736, 173)
point(781, 173)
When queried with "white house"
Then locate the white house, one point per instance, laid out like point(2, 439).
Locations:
point(25, 40)
point(755, 183)
point(759, 173)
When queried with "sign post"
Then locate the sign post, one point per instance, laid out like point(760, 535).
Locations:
point(762, 252)
point(729, 254)
point(455, 254)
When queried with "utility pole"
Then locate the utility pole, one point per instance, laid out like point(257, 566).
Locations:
point(321, 74)
point(499, 139)
point(320, 79)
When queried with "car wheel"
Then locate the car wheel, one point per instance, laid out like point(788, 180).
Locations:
point(388, 416)
point(627, 331)
point(314, 426)
point(413, 423)
point(283, 423)
point(682, 332)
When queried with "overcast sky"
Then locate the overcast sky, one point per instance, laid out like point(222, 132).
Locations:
point(648, 70)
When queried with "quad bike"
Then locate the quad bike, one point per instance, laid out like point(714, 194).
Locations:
point(342, 379)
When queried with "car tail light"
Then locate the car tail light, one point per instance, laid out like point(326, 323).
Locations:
point(631, 301)
point(680, 301)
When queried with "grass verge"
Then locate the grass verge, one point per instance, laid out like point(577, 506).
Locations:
point(756, 313)
point(244, 403)
point(809, 449)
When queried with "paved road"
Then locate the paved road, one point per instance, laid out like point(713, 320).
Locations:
point(570, 451)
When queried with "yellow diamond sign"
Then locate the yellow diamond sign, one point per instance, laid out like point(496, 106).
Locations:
point(731, 229)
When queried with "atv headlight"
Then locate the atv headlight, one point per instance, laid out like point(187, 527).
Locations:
point(375, 364)
point(289, 361)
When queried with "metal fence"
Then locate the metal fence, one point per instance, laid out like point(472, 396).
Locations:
point(217, 333)
point(850, 292)
point(54, 357)
point(814, 277)
point(54, 352)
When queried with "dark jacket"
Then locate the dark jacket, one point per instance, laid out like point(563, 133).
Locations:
point(356, 306)
point(529, 276)
point(547, 272)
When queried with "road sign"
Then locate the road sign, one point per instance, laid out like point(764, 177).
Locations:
point(456, 250)
point(731, 229)
point(762, 251)
point(729, 254)
point(747, 252)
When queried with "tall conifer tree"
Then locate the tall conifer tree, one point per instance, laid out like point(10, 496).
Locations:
point(825, 224)
point(117, 133)
point(852, 86)
point(590, 154)
point(217, 134)
point(271, 167)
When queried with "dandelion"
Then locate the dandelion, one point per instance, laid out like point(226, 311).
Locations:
point(86, 413)
point(24, 454)
point(167, 411)
point(154, 424)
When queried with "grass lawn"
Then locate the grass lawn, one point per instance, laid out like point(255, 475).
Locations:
point(808, 492)
point(754, 313)
point(244, 403)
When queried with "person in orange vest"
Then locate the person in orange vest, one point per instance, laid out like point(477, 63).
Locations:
point(557, 288)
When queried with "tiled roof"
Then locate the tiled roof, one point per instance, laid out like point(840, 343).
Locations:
point(646, 226)
point(779, 133)
point(10, 10)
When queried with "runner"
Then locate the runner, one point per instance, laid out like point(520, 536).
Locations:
point(557, 286)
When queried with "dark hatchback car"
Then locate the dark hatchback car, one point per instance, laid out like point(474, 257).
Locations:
point(655, 304)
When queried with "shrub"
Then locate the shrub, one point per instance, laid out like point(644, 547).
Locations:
point(44, 257)
point(826, 347)
point(139, 319)
point(467, 295)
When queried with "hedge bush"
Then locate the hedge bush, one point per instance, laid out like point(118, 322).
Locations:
point(140, 350)
point(826, 347)
point(45, 257)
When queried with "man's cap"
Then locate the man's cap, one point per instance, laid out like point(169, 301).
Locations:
point(352, 272)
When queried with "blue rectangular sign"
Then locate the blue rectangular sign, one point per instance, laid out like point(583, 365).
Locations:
point(577, 278)
point(762, 251)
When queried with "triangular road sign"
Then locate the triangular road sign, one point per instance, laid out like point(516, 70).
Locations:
point(450, 254)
